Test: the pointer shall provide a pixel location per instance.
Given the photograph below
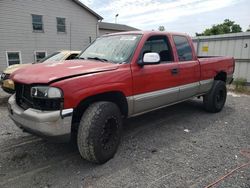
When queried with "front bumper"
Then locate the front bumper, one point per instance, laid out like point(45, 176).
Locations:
point(52, 125)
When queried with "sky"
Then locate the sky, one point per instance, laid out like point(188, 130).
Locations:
point(188, 16)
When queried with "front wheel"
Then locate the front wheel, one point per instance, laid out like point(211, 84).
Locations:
point(99, 132)
point(214, 101)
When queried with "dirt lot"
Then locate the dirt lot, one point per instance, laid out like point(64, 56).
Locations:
point(179, 146)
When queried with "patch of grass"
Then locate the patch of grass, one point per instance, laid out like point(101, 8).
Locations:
point(240, 84)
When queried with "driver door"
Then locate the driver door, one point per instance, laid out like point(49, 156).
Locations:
point(155, 85)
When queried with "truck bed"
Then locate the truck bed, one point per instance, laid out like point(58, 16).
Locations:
point(210, 66)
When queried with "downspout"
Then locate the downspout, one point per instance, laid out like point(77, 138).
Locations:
point(97, 28)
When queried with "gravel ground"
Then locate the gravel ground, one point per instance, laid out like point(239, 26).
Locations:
point(179, 146)
point(3, 97)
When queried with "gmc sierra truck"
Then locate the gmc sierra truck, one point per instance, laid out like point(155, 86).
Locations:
point(118, 76)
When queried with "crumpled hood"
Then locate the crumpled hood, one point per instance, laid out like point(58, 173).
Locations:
point(47, 72)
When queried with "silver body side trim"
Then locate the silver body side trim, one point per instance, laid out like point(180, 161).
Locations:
point(189, 90)
point(137, 114)
point(130, 101)
point(205, 85)
point(147, 101)
point(142, 103)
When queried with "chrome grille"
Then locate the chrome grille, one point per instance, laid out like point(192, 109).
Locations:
point(25, 101)
point(23, 98)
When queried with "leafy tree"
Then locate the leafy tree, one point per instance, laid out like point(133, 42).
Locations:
point(227, 26)
point(161, 28)
point(248, 29)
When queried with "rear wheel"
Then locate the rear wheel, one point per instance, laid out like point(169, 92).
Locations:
point(99, 132)
point(215, 100)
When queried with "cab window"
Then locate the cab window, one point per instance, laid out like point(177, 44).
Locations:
point(183, 48)
point(160, 45)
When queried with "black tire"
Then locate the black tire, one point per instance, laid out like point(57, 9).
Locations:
point(215, 100)
point(99, 132)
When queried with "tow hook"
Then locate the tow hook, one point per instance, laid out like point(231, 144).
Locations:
point(66, 112)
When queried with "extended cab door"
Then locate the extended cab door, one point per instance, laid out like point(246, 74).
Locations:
point(189, 68)
point(155, 85)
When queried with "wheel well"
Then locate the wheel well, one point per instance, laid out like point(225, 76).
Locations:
point(221, 76)
point(116, 97)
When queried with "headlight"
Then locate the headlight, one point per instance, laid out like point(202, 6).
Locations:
point(46, 92)
point(5, 76)
point(2, 76)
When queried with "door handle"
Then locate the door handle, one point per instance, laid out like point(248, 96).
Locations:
point(175, 71)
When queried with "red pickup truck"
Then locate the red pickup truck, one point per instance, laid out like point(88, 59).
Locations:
point(118, 76)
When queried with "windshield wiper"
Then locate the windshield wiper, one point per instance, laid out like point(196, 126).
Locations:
point(97, 58)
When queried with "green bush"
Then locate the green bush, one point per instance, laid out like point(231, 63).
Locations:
point(240, 84)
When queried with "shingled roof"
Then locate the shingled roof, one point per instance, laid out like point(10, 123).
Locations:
point(116, 27)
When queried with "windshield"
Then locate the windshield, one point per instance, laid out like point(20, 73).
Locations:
point(57, 56)
point(115, 49)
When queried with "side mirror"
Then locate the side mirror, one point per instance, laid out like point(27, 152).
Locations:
point(151, 58)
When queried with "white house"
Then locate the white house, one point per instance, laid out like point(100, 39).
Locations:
point(31, 29)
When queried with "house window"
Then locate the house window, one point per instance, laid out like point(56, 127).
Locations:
point(37, 22)
point(39, 56)
point(13, 58)
point(61, 26)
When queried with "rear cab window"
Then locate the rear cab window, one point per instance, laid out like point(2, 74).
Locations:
point(72, 56)
point(159, 44)
point(184, 50)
